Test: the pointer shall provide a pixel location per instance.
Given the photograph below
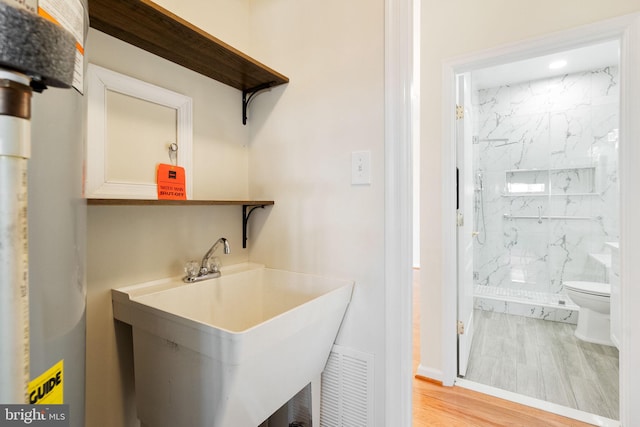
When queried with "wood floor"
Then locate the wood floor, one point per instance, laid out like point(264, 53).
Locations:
point(435, 405)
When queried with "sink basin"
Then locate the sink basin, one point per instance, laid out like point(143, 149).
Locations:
point(228, 351)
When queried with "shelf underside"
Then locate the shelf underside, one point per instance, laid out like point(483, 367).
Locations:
point(148, 26)
point(145, 202)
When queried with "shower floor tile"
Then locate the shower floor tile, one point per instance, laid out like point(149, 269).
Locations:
point(544, 360)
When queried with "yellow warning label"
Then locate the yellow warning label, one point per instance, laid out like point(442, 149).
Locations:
point(48, 388)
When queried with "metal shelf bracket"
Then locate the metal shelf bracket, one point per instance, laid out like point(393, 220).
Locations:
point(247, 96)
point(247, 210)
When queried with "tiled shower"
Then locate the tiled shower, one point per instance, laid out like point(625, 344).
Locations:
point(546, 192)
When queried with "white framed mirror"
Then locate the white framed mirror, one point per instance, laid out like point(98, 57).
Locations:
point(131, 125)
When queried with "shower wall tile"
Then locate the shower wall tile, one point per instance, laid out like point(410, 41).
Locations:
point(527, 206)
point(494, 203)
point(572, 205)
point(607, 222)
point(530, 98)
point(493, 153)
point(510, 141)
point(492, 263)
point(560, 132)
point(570, 91)
point(564, 262)
point(493, 100)
point(567, 316)
point(527, 254)
point(571, 137)
point(532, 310)
point(488, 304)
point(604, 86)
point(572, 181)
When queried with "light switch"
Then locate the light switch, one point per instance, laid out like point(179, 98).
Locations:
point(361, 167)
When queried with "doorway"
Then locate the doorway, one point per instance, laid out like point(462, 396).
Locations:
point(543, 172)
point(528, 178)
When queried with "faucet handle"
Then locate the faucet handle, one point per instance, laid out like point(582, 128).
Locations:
point(192, 268)
point(214, 265)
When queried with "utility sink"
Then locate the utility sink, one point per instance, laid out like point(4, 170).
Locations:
point(228, 351)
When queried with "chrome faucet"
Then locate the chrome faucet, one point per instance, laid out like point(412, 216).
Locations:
point(206, 270)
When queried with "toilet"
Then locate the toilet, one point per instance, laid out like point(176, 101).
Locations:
point(593, 320)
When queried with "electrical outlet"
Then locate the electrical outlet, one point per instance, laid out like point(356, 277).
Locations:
point(361, 167)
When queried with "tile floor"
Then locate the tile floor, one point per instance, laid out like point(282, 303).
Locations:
point(543, 359)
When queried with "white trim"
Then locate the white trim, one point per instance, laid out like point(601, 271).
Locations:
point(553, 408)
point(398, 213)
point(99, 80)
point(430, 373)
point(626, 29)
point(629, 155)
point(449, 235)
point(415, 93)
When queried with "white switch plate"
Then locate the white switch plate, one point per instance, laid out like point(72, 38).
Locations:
point(361, 167)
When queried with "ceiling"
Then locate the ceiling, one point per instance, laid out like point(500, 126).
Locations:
point(581, 59)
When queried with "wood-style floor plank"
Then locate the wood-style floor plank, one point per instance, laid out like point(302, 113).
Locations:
point(551, 364)
point(435, 405)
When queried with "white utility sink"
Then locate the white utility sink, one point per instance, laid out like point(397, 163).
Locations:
point(228, 351)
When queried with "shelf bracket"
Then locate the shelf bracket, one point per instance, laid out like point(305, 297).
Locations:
point(247, 96)
point(247, 210)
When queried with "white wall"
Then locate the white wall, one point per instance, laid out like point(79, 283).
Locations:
point(297, 146)
point(449, 30)
point(227, 20)
point(131, 244)
point(302, 136)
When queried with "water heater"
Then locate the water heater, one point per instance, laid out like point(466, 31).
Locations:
point(42, 212)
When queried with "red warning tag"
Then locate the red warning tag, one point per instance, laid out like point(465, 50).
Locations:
point(171, 182)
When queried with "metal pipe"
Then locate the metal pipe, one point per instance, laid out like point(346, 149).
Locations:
point(15, 135)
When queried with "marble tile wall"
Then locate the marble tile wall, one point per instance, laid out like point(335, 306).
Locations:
point(545, 149)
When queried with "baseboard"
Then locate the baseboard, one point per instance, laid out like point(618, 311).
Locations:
point(428, 373)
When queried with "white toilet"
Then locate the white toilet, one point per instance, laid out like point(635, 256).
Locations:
point(593, 320)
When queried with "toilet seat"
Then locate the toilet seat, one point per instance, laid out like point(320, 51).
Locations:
point(590, 288)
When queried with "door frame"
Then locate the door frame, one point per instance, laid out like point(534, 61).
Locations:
point(398, 85)
point(627, 30)
point(465, 237)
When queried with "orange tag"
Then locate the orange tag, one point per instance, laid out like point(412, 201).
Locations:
point(171, 182)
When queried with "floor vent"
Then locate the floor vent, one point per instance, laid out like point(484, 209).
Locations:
point(346, 399)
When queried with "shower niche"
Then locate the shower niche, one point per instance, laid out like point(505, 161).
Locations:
point(568, 181)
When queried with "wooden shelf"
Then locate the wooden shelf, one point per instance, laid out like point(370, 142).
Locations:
point(145, 202)
point(148, 26)
point(248, 206)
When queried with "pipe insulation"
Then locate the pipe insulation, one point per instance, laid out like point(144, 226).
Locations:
point(36, 47)
point(14, 255)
